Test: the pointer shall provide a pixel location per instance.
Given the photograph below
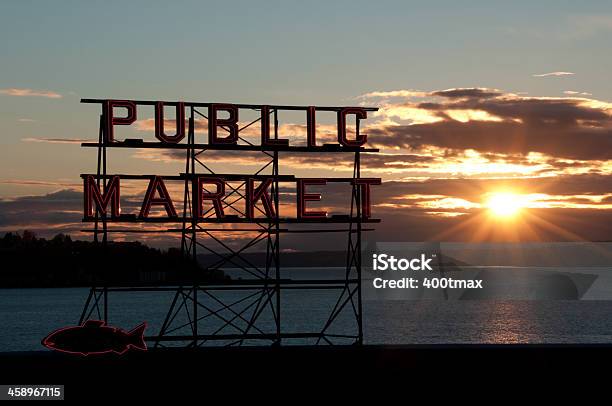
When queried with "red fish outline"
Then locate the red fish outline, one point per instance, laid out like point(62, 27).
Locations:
point(138, 331)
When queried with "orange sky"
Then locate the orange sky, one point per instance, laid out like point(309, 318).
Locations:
point(471, 164)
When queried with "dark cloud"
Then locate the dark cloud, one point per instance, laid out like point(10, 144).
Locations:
point(58, 140)
point(538, 110)
point(26, 182)
point(61, 212)
point(555, 139)
point(472, 189)
point(473, 92)
point(540, 225)
point(561, 127)
point(63, 208)
point(47, 214)
point(331, 161)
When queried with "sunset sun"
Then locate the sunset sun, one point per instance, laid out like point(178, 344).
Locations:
point(504, 205)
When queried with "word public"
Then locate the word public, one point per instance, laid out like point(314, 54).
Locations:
point(229, 134)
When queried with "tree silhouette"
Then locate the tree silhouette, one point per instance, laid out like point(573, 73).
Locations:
point(29, 261)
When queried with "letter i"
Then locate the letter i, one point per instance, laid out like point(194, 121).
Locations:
point(374, 261)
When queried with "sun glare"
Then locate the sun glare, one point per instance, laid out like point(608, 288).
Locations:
point(505, 204)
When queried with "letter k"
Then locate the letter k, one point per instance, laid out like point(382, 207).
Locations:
point(425, 263)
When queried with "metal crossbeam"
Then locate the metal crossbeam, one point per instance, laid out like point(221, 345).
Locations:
point(230, 312)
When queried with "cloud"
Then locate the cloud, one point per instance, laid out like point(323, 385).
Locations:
point(148, 124)
point(559, 73)
point(62, 211)
point(380, 162)
point(473, 189)
point(31, 92)
point(47, 214)
point(428, 225)
point(473, 92)
point(470, 132)
point(575, 93)
point(441, 152)
point(393, 93)
point(26, 182)
point(495, 122)
point(436, 209)
point(58, 140)
point(450, 93)
point(291, 131)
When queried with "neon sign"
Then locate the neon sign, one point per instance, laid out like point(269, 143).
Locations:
point(102, 192)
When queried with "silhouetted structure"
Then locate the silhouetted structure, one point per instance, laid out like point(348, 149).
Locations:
point(244, 310)
point(29, 261)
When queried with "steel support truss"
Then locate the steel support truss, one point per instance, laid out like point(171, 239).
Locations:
point(248, 310)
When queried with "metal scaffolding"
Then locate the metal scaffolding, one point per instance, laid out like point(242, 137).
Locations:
point(245, 310)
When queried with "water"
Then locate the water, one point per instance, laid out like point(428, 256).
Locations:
point(29, 314)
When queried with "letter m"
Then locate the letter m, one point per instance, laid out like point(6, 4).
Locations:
point(92, 194)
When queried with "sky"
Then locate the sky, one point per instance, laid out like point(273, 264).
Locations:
point(495, 120)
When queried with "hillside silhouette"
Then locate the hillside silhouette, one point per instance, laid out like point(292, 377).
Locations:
point(29, 261)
